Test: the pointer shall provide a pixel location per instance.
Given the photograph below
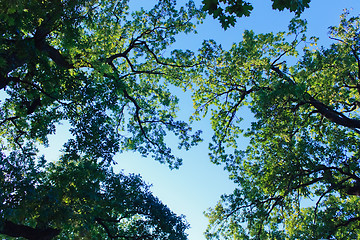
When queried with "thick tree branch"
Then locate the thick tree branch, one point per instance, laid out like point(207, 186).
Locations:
point(333, 115)
point(354, 190)
point(345, 223)
point(282, 74)
point(16, 230)
point(53, 53)
point(326, 111)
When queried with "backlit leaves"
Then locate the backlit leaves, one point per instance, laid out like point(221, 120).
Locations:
point(299, 176)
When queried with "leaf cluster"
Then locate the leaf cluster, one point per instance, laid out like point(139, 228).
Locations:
point(227, 11)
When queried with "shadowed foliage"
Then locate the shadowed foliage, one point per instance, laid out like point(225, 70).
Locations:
point(100, 68)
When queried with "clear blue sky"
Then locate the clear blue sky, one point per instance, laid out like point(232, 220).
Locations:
point(198, 184)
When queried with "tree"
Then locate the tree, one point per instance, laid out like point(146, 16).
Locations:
point(81, 199)
point(102, 70)
point(226, 11)
point(299, 178)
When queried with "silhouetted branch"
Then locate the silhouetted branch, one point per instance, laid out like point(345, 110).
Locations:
point(16, 230)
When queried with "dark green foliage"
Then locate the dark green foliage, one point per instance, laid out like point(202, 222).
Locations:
point(100, 69)
point(226, 11)
point(83, 200)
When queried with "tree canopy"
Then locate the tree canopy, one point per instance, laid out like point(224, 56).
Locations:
point(104, 71)
point(227, 11)
point(299, 178)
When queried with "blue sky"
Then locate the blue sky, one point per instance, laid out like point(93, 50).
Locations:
point(198, 184)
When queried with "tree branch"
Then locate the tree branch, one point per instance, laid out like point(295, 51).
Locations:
point(326, 111)
point(16, 230)
point(53, 53)
point(333, 115)
point(343, 224)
